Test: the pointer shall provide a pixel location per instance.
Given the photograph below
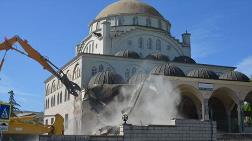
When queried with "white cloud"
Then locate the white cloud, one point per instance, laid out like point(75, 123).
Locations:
point(245, 66)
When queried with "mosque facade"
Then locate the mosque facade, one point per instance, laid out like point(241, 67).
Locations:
point(129, 40)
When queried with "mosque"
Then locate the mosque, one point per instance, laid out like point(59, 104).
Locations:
point(129, 40)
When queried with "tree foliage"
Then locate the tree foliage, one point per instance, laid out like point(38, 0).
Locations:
point(247, 108)
point(14, 105)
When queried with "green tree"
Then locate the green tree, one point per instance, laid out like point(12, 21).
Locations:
point(13, 103)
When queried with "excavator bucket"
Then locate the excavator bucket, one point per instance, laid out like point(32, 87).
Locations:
point(71, 87)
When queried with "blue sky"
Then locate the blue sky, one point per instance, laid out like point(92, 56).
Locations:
point(221, 35)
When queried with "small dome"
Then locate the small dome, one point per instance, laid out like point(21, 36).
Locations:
point(128, 7)
point(184, 59)
point(127, 54)
point(234, 76)
point(158, 56)
point(137, 78)
point(167, 70)
point(103, 93)
point(203, 73)
point(106, 77)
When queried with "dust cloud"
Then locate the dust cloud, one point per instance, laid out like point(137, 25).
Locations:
point(153, 101)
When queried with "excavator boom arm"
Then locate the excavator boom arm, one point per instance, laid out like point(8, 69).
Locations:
point(35, 55)
point(32, 53)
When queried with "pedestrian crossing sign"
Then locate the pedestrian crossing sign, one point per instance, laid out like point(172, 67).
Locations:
point(5, 112)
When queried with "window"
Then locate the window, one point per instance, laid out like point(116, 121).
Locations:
point(148, 22)
point(53, 89)
point(101, 68)
point(65, 99)
point(76, 72)
point(52, 121)
point(54, 100)
point(149, 43)
point(135, 20)
point(68, 96)
point(68, 75)
point(60, 97)
point(92, 47)
point(58, 84)
point(158, 44)
point(48, 103)
point(140, 42)
point(94, 70)
point(66, 121)
point(47, 89)
point(51, 101)
point(46, 122)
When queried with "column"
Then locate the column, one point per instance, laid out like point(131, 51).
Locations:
point(240, 116)
point(229, 121)
point(205, 110)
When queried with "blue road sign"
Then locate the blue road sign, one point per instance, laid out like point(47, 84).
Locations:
point(5, 111)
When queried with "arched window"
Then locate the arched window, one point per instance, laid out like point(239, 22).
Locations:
point(58, 84)
point(68, 96)
point(127, 74)
point(68, 75)
point(135, 20)
point(52, 101)
point(158, 44)
point(60, 97)
point(65, 98)
point(149, 43)
point(101, 68)
point(140, 42)
point(48, 89)
point(76, 72)
point(148, 22)
point(53, 88)
point(94, 70)
point(48, 103)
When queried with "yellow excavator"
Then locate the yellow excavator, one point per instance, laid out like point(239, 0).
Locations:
point(28, 124)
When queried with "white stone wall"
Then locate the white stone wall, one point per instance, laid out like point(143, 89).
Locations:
point(123, 36)
point(131, 41)
point(66, 104)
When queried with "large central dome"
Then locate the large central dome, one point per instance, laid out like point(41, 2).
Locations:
point(128, 7)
